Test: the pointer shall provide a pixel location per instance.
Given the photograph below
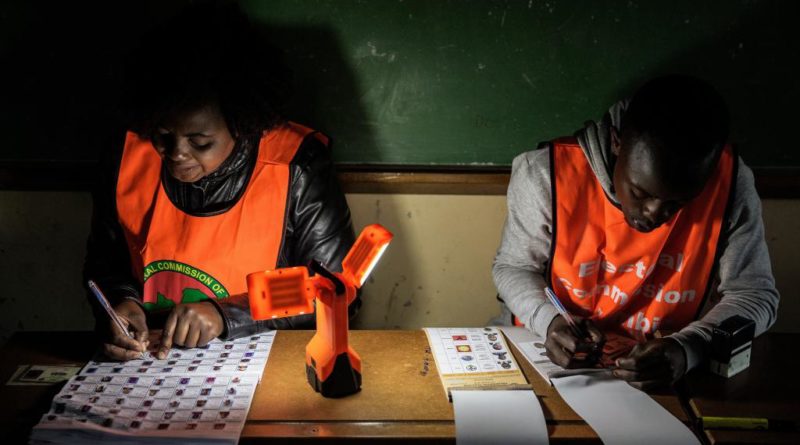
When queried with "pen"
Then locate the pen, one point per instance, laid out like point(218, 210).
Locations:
point(104, 302)
point(580, 333)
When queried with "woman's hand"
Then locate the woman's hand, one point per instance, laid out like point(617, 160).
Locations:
point(567, 350)
point(120, 346)
point(190, 325)
point(659, 362)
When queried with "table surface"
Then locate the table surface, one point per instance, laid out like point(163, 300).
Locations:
point(768, 388)
point(398, 400)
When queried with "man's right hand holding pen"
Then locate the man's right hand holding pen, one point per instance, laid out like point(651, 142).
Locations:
point(570, 349)
point(572, 342)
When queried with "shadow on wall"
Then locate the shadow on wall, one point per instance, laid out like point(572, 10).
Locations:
point(325, 95)
point(753, 65)
point(62, 81)
point(61, 73)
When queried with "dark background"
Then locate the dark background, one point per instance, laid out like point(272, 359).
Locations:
point(414, 82)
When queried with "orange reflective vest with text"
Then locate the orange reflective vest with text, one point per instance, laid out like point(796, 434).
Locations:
point(627, 281)
point(181, 258)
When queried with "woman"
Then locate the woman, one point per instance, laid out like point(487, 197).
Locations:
point(211, 184)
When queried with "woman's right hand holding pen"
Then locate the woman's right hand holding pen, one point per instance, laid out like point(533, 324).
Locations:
point(119, 345)
point(568, 350)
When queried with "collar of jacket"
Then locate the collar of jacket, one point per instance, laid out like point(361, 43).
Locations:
point(219, 191)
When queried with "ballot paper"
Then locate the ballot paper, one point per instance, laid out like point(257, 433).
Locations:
point(199, 395)
point(618, 413)
point(498, 417)
point(621, 414)
point(474, 358)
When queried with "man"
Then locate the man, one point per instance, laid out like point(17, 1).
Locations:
point(644, 222)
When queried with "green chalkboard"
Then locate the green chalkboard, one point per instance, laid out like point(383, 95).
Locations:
point(434, 82)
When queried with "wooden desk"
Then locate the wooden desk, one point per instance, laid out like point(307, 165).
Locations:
point(768, 388)
point(399, 401)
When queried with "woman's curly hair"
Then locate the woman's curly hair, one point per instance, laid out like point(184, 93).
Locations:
point(208, 54)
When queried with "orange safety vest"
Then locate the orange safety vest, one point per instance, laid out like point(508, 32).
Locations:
point(181, 258)
point(626, 280)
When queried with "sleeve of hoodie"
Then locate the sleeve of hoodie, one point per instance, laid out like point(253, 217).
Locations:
point(318, 227)
point(746, 285)
point(521, 260)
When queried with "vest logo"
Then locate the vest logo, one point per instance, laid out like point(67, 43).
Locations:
point(167, 283)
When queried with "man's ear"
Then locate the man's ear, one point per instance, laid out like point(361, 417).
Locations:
point(616, 144)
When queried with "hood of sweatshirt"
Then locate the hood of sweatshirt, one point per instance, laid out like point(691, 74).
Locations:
point(595, 139)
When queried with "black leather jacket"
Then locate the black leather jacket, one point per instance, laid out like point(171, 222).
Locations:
point(317, 227)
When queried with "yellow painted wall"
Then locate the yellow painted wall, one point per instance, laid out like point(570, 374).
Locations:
point(436, 273)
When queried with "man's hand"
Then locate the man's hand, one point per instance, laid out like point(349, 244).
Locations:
point(190, 325)
point(659, 362)
point(568, 351)
point(121, 347)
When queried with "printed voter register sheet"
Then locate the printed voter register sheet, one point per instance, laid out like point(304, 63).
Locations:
point(199, 395)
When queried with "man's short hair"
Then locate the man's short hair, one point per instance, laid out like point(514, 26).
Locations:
point(682, 115)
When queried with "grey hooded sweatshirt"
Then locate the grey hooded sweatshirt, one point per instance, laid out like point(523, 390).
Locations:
point(744, 282)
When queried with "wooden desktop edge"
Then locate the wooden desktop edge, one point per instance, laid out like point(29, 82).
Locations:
point(419, 433)
point(771, 182)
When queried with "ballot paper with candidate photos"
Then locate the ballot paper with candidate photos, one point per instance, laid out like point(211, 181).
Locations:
point(200, 394)
point(474, 358)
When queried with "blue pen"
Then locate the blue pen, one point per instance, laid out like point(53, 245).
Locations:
point(580, 333)
point(111, 313)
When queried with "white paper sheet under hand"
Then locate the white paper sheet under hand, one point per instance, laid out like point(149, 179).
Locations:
point(621, 414)
point(498, 417)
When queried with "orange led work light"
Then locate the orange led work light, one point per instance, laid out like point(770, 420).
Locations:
point(333, 368)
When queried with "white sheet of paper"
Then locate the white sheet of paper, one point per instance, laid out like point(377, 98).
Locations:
point(621, 414)
point(498, 417)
